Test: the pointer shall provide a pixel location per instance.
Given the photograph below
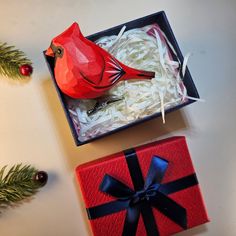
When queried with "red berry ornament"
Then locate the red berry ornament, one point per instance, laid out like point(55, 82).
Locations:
point(26, 70)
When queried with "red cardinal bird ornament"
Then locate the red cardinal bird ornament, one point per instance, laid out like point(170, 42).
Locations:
point(83, 69)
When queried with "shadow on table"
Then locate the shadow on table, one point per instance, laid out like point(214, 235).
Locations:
point(131, 137)
point(83, 209)
point(198, 230)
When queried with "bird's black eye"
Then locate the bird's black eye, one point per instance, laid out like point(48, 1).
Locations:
point(59, 51)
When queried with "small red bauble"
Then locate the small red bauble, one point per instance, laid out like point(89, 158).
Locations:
point(26, 70)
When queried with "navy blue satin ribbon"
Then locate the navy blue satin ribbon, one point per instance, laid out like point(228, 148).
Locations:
point(146, 194)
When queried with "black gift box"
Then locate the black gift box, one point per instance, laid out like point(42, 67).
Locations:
point(159, 18)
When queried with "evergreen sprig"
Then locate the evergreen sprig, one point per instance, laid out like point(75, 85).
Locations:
point(17, 184)
point(11, 59)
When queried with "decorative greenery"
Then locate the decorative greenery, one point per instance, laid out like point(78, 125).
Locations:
point(18, 183)
point(11, 59)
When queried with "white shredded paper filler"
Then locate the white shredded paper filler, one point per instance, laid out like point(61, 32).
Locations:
point(144, 48)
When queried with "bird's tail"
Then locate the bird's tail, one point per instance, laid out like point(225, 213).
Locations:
point(131, 73)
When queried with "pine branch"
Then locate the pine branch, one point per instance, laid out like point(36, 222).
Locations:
point(11, 59)
point(17, 184)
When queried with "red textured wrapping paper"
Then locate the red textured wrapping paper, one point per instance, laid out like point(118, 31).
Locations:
point(175, 151)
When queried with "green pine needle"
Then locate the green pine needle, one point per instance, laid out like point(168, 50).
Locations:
point(17, 184)
point(11, 59)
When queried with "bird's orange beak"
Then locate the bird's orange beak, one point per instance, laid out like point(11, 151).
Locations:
point(49, 52)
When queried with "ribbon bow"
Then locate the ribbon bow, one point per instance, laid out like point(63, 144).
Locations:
point(146, 194)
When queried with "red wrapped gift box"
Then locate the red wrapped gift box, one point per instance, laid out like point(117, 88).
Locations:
point(176, 186)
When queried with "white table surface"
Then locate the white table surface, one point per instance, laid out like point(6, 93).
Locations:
point(34, 130)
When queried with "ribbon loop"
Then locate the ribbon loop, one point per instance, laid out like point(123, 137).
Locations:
point(156, 171)
point(115, 188)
